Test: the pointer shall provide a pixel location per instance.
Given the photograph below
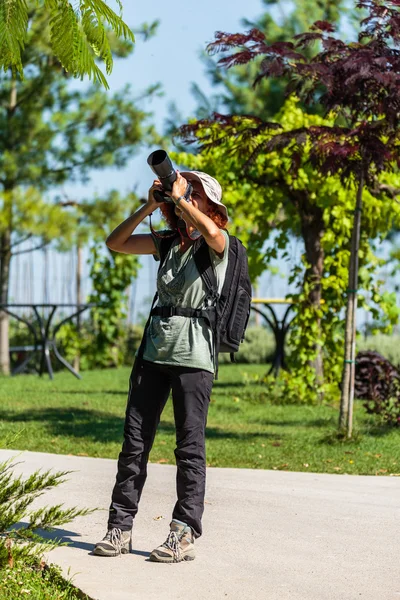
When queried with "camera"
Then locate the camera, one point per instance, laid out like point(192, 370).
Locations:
point(160, 163)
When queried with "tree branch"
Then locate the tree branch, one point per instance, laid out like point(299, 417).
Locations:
point(391, 191)
point(11, 246)
point(31, 249)
point(21, 241)
point(74, 166)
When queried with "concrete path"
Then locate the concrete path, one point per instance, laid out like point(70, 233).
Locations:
point(268, 535)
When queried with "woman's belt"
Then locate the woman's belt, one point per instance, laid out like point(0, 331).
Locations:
point(180, 311)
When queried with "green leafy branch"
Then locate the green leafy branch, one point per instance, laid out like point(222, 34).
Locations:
point(16, 497)
point(78, 36)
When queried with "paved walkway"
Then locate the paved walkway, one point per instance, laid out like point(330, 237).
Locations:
point(268, 535)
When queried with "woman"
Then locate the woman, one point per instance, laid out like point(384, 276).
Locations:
point(177, 355)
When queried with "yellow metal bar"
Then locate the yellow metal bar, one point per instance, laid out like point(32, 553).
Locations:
point(276, 301)
point(272, 301)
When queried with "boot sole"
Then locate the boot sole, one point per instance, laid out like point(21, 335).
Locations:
point(156, 558)
point(104, 552)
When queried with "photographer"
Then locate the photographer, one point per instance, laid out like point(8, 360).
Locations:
point(178, 354)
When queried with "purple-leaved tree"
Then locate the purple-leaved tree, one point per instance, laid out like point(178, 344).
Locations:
point(357, 82)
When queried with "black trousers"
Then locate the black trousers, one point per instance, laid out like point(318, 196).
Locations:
point(191, 389)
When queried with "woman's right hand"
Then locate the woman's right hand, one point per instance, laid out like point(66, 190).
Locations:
point(152, 202)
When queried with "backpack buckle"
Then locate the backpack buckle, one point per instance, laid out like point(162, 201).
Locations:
point(168, 312)
point(212, 298)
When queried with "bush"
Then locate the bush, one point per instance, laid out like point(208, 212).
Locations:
point(378, 383)
point(122, 352)
point(23, 542)
point(258, 346)
point(386, 345)
point(285, 389)
point(22, 568)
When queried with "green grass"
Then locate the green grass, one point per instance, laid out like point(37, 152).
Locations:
point(23, 581)
point(244, 429)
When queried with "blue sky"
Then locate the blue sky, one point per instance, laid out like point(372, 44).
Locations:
point(171, 58)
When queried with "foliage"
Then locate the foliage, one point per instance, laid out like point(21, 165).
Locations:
point(53, 133)
point(357, 84)
point(386, 345)
point(257, 348)
point(20, 541)
point(84, 343)
point(38, 580)
point(235, 92)
point(111, 275)
point(269, 204)
point(78, 34)
point(378, 383)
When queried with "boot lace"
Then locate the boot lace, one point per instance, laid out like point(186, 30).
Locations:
point(115, 538)
point(172, 543)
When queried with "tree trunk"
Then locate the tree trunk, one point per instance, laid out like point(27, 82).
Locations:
point(5, 247)
point(257, 316)
point(312, 227)
point(5, 259)
point(77, 359)
point(349, 367)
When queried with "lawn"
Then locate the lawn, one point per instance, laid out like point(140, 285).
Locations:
point(244, 428)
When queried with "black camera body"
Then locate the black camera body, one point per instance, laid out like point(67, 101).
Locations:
point(160, 163)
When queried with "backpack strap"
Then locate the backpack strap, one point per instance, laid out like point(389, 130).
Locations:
point(207, 273)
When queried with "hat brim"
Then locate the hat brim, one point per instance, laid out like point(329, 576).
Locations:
point(191, 175)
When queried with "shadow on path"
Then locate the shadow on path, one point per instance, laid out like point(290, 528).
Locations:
point(70, 538)
point(105, 427)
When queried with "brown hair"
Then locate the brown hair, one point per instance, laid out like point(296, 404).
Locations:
point(213, 212)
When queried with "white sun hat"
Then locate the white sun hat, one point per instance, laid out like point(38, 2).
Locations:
point(210, 185)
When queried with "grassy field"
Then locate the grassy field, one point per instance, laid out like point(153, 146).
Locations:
point(244, 429)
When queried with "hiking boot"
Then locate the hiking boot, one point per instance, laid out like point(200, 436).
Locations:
point(178, 546)
point(114, 543)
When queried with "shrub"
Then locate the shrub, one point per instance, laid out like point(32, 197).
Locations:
point(22, 542)
point(386, 345)
point(378, 384)
point(257, 347)
point(285, 389)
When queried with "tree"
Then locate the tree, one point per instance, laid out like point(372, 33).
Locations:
point(110, 273)
point(358, 85)
point(78, 35)
point(50, 134)
point(236, 93)
point(269, 204)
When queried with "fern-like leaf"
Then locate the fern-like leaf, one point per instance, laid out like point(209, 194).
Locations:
point(71, 45)
point(63, 35)
point(13, 25)
point(97, 37)
point(85, 63)
point(78, 36)
point(102, 10)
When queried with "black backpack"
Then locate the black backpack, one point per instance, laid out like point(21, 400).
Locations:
point(228, 313)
